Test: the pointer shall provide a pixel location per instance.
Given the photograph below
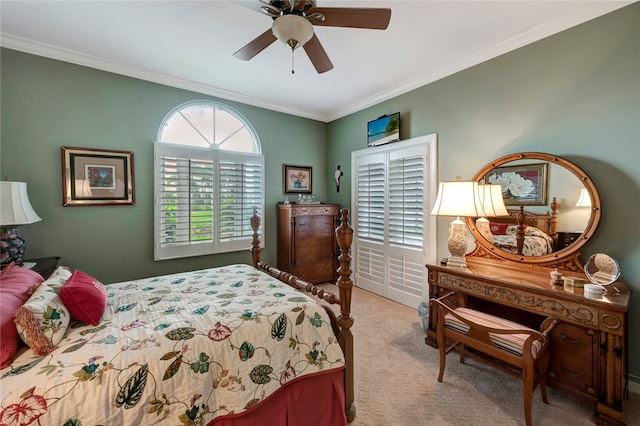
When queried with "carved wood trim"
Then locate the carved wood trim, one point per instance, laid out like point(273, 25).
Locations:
point(568, 311)
point(311, 210)
point(564, 258)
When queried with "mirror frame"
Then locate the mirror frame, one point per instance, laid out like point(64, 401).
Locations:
point(566, 258)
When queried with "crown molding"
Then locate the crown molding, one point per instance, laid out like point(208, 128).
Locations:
point(77, 58)
point(548, 28)
point(587, 12)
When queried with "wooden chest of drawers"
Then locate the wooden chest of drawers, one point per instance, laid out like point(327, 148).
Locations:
point(306, 241)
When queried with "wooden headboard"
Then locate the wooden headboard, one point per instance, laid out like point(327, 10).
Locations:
point(541, 221)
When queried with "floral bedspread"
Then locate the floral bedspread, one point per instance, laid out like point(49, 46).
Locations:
point(176, 349)
point(536, 241)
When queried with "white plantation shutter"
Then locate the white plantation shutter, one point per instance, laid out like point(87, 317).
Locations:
point(186, 186)
point(393, 191)
point(406, 199)
point(371, 195)
point(371, 198)
point(204, 200)
point(406, 223)
point(241, 190)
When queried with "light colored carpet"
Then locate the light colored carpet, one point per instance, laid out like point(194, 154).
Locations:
point(396, 379)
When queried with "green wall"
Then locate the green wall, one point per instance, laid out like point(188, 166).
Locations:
point(47, 104)
point(575, 95)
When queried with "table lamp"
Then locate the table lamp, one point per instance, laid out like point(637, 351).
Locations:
point(458, 198)
point(15, 210)
point(493, 206)
point(584, 200)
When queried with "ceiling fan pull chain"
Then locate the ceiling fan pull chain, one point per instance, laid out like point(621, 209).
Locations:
point(292, 71)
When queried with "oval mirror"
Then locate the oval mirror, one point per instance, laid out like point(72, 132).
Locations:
point(602, 269)
point(553, 209)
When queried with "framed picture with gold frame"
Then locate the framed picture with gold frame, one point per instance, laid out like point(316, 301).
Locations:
point(92, 177)
point(297, 179)
point(524, 184)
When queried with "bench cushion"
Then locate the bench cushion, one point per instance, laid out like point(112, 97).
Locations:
point(513, 343)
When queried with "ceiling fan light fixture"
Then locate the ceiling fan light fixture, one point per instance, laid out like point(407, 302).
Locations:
point(292, 30)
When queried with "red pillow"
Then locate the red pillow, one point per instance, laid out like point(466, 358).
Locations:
point(85, 297)
point(14, 285)
point(498, 228)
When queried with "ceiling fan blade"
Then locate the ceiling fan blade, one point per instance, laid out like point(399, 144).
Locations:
point(256, 45)
point(353, 17)
point(318, 55)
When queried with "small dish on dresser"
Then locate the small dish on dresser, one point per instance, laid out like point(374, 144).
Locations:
point(593, 289)
point(574, 281)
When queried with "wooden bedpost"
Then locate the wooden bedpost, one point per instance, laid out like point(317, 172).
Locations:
point(255, 243)
point(344, 235)
point(520, 231)
point(553, 221)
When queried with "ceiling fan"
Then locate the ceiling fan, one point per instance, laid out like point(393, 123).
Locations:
point(293, 22)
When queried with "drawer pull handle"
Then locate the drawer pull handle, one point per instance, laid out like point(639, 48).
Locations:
point(576, 341)
point(573, 373)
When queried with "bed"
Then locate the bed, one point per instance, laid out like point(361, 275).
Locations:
point(231, 345)
point(526, 233)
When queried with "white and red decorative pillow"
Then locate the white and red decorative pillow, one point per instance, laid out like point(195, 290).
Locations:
point(498, 228)
point(85, 297)
point(43, 320)
point(58, 278)
point(15, 283)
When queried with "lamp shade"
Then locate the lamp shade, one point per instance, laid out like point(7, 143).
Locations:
point(458, 198)
point(292, 30)
point(584, 200)
point(492, 201)
point(15, 208)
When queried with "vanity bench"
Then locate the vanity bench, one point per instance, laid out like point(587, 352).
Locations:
point(589, 345)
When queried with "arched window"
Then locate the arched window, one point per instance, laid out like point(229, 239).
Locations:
point(209, 176)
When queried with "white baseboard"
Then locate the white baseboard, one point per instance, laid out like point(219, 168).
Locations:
point(634, 384)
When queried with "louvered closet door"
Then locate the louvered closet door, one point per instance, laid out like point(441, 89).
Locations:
point(369, 222)
point(393, 238)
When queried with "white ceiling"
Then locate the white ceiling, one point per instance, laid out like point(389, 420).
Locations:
point(189, 44)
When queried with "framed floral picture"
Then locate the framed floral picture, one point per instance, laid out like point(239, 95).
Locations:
point(297, 179)
point(524, 184)
point(93, 177)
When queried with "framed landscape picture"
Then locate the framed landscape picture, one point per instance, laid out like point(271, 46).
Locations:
point(96, 177)
point(524, 184)
point(297, 179)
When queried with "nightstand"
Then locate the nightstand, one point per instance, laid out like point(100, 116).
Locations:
point(565, 239)
point(44, 265)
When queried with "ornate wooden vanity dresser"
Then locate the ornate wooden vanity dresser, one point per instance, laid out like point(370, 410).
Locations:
point(589, 346)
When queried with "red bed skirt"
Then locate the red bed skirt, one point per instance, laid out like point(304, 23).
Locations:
point(310, 400)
